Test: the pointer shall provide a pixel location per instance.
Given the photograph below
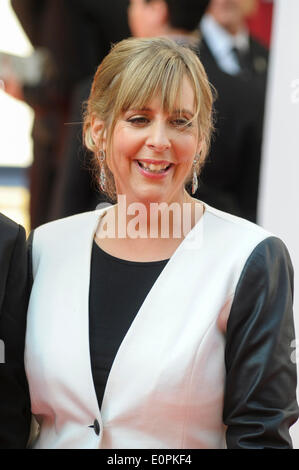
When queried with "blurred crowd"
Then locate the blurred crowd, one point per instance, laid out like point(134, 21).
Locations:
point(73, 36)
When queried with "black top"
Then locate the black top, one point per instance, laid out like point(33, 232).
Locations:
point(117, 291)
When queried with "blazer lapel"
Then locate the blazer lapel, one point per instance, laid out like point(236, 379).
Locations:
point(150, 337)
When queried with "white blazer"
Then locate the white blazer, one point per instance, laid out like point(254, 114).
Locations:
point(165, 388)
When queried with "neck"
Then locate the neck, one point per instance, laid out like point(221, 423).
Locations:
point(234, 28)
point(154, 220)
point(232, 25)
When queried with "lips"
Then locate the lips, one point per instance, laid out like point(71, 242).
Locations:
point(153, 168)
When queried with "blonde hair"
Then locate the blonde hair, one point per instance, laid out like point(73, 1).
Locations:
point(132, 73)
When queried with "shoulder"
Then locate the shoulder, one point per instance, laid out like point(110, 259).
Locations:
point(265, 287)
point(13, 262)
point(264, 280)
point(59, 241)
point(243, 245)
point(52, 231)
point(11, 234)
point(267, 273)
point(63, 237)
point(8, 227)
point(260, 263)
point(258, 252)
point(235, 230)
point(269, 256)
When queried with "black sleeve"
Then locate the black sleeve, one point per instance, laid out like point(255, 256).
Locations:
point(15, 414)
point(260, 392)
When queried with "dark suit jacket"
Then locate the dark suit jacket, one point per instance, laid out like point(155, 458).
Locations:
point(15, 414)
point(230, 178)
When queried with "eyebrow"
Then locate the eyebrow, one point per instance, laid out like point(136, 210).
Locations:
point(176, 111)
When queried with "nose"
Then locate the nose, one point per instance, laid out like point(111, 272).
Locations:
point(158, 139)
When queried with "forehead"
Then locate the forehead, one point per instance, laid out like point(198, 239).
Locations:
point(137, 5)
point(228, 3)
point(184, 99)
point(136, 2)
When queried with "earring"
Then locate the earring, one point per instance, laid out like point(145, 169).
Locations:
point(102, 157)
point(194, 178)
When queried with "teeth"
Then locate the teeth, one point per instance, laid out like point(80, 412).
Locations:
point(154, 167)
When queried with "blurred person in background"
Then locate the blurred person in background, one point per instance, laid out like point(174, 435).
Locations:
point(15, 414)
point(226, 40)
point(230, 178)
point(52, 27)
point(75, 190)
point(237, 66)
point(172, 18)
point(72, 35)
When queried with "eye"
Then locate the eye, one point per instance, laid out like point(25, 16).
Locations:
point(181, 122)
point(138, 120)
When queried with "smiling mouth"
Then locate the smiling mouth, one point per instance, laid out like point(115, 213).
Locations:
point(154, 167)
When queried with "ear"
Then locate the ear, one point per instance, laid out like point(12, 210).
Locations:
point(199, 146)
point(99, 132)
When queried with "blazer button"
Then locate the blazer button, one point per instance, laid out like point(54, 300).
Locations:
point(96, 427)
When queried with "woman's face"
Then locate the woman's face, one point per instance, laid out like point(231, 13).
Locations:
point(152, 151)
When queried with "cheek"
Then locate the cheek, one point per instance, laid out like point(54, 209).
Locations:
point(186, 150)
point(135, 21)
point(124, 148)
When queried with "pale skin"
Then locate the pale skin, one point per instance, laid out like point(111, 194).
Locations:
point(153, 134)
point(157, 135)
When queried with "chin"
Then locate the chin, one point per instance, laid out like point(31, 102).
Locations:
point(150, 196)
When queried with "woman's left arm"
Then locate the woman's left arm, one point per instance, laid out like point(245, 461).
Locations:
point(260, 392)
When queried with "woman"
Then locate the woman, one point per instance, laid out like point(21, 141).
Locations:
point(158, 322)
point(14, 396)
